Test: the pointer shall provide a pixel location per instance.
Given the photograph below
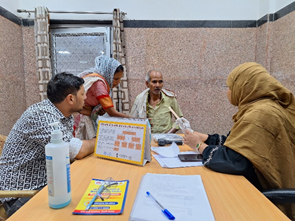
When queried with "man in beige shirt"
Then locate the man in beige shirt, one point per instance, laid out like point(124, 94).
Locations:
point(154, 103)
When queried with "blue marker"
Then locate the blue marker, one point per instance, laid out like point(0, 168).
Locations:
point(165, 211)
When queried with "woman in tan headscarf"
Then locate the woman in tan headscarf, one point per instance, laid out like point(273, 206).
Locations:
point(261, 143)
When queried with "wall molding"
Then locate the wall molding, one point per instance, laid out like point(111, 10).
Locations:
point(189, 24)
point(164, 23)
point(10, 16)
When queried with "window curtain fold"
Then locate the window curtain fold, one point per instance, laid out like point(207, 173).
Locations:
point(42, 43)
point(120, 94)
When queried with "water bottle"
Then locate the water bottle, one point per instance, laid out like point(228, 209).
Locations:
point(58, 170)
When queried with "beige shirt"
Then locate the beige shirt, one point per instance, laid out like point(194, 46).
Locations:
point(161, 115)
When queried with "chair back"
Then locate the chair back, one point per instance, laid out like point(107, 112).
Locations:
point(2, 141)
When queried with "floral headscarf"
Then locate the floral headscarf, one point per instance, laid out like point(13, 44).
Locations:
point(104, 66)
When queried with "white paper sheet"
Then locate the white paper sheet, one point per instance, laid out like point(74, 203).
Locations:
point(183, 195)
point(168, 157)
point(167, 151)
point(174, 162)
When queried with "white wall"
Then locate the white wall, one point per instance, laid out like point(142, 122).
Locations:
point(264, 7)
point(10, 5)
point(155, 9)
point(279, 4)
point(272, 6)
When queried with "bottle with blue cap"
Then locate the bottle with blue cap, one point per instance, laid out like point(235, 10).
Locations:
point(58, 170)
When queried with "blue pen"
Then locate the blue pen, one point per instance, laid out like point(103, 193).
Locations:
point(99, 191)
point(165, 211)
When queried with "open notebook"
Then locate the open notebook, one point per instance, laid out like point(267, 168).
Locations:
point(183, 195)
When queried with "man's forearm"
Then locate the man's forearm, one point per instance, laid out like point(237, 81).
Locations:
point(86, 149)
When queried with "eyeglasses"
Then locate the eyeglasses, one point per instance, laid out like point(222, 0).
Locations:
point(103, 191)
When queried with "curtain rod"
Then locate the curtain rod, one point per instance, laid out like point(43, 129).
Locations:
point(73, 12)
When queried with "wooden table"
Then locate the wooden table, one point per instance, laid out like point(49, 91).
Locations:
point(231, 197)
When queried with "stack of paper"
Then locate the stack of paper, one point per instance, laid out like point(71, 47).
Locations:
point(183, 195)
point(168, 157)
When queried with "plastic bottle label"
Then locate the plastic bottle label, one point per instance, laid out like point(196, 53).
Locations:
point(49, 168)
point(68, 178)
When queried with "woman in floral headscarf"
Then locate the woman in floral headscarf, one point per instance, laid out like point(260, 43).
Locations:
point(261, 143)
point(99, 82)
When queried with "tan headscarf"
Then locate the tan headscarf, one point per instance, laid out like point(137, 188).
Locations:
point(264, 126)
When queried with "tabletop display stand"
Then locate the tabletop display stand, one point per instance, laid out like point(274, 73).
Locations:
point(123, 139)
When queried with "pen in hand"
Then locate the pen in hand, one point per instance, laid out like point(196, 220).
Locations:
point(165, 211)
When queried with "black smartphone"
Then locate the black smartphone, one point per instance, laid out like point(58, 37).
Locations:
point(190, 157)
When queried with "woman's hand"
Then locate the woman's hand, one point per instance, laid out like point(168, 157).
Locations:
point(86, 110)
point(114, 113)
point(192, 139)
point(101, 111)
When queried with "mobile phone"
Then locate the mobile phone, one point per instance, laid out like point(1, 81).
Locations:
point(190, 157)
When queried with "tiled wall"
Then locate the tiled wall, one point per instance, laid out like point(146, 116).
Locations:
point(282, 50)
point(195, 63)
point(30, 66)
point(12, 79)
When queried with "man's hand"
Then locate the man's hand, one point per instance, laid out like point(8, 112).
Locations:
point(150, 120)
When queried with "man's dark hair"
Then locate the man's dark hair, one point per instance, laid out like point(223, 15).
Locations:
point(61, 85)
point(119, 68)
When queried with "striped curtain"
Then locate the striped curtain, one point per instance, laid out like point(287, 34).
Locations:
point(120, 94)
point(44, 70)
